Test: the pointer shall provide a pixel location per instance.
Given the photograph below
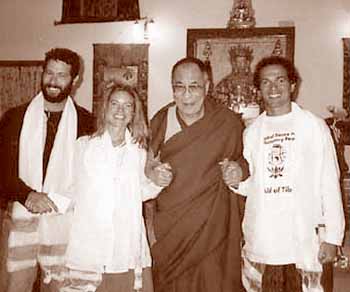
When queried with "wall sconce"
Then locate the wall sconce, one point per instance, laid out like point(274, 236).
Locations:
point(145, 30)
point(149, 28)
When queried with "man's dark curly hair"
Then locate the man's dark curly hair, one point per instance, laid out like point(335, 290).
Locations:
point(292, 73)
point(65, 55)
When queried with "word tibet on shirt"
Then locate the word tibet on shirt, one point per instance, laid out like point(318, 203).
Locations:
point(278, 152)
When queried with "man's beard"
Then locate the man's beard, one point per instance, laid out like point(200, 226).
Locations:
point(61, 96)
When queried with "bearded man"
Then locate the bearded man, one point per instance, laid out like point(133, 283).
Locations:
point(36, 153)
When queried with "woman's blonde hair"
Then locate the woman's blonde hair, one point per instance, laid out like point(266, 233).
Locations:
point(138, 125)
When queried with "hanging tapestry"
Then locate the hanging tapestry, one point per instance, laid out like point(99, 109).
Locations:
point(346, 73)
point(79, 11)
point(120, 63)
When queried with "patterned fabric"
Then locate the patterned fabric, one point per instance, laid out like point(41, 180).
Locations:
point(80, 281)
point(26, 248)
point(283, 278)
point(257, 277)
point(22, 244)
point(311, 281)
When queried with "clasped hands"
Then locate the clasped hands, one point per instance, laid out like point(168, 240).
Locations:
point(40, 203)
point(161, 173)
point(158, 172)
point(232, 173)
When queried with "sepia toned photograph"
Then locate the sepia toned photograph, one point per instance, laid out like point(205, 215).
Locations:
point(174, 146)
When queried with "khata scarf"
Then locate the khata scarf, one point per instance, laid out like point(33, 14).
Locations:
point(42, 238)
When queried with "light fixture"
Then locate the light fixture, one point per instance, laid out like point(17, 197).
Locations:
point(148, 28)
point(145, 30)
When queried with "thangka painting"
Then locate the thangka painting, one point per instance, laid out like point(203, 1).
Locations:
point(231, 56)
point(120, 63)
point(20, 81)
point(80, 11)
point(346, 73)
point(344, 125)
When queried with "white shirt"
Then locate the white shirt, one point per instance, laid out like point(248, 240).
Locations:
point(275, 216)
point(311, 187)
point(108, 232)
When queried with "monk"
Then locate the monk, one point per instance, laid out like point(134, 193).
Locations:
point(195, 221)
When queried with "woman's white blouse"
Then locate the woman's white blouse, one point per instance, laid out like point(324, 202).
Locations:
point(108, 233)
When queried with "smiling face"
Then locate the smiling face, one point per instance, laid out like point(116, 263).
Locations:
point(120, 109)
point(57, 82)
point(189, 91)
point(276, 90)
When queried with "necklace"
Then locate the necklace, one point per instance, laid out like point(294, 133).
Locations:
point(117, 143)
point(117, 137)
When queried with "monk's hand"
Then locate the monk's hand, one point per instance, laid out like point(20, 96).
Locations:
point(40, 203)
point(232, 173)
point(162, 174)
point(159, 173)
point(327, 252)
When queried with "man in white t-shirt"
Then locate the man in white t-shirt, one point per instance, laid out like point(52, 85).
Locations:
point(294, 218)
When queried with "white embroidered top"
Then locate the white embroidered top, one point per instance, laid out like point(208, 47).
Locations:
point(108, 233)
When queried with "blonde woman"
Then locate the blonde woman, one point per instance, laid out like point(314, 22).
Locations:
point(108, 249)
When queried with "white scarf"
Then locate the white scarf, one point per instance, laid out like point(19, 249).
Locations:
point(31, 148)
point(53, 228)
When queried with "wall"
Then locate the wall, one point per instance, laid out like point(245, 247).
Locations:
point(27, 31)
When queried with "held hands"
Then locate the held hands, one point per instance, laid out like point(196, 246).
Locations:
point(159, 173)
point(327, 253)
point(40, 203)
point(231, 172)
point(163, 175)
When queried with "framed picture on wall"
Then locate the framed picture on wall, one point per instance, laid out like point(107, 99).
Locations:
point(231, 56)
point(81, 11)
point(344, 125)
point(125, 64)
point(346, 73)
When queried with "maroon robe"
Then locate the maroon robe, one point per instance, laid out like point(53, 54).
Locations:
point(196, 219)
